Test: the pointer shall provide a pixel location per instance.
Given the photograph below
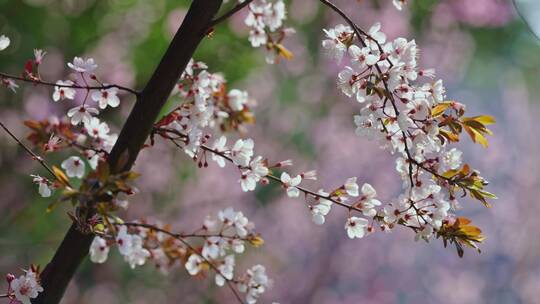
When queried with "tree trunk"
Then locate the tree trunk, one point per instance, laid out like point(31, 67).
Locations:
point(136, 130)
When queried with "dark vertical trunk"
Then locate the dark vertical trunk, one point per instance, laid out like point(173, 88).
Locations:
point(136, 130)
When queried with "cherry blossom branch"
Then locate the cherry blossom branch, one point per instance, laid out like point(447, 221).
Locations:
point(74, 248)
point(216, 269)
point(228, 14)
point(359, 32)
point(180, 237)
point(270, 176)
point(353, 25)
point(28, 151)
point(73, 86)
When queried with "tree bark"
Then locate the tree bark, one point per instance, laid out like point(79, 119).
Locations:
point(74, 248)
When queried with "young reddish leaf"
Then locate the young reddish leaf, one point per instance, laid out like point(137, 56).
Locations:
point(484, 119)
point(476, 136)
point(439, 109)
point(449, 135)
point(283, 52)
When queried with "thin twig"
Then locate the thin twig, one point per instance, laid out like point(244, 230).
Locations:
point(73, 86)
point(228, 14)
point(181, 235)
point(270, 176)
point(30, 152)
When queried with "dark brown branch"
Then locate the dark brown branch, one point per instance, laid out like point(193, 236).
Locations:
point(73, 86)
point(138, 126)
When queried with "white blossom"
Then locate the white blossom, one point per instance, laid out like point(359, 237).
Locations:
point(452, 158)
point(257, 37)
point(107, 97)
point(257, 283)
point(97, 129)
point(375, 33)
point(74, 166)
point(99, 251)
point(234, 219)
point(61, 93)
point(356, 227)
point(194, 264)
point(4, 42)
point(425, 232)
point(26, 287)
point(275, 15)
point(82, 114)
point(251, 176)
point(137, 254)
point(367, 201)
point(219, 146)
point(213, 247)
point(290, 184)
point(44, 188)
point(335, 46)
point(82, 65)
point(362, 57)
point(242, 151)
point(351, 187)
point(124, 241)
point(321, 209)
point(237, 99)
point(226, 270)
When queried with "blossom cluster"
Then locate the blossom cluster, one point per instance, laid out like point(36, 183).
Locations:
point(255, 170)
point(213, 246)
point(265, 20)
point(80, 128)
point(206, 105)
point(85, 114)
point(196, 120)
point(25, 287)
point(92, 142)
point(407, 117)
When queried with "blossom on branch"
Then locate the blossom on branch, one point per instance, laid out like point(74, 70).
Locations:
point(82, 65)
point(106, 97)
point(74, 166)
point(61, 92)
point(4, 42)
point(25, 287)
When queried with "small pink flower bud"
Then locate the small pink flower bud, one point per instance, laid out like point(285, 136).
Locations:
point(309, 175)
point(284, 163)
point(9, 278)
